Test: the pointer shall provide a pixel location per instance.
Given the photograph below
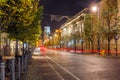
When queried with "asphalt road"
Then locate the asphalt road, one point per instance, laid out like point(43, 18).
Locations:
point(84, 67)
point(60, 65)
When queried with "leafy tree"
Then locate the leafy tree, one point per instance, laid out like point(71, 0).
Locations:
point(87, 28)
point(90, 29)
point(24, 20)
point(65, 40)
point(75, 35)
point(57, 37)
point(4, 20)
point(34, 29)
point(19, 16)
point(109, 12)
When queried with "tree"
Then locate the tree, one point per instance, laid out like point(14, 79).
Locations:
point(20, 18)
point(4, 20)
point(109, 12)
point(57, 36)
point(34, 29)
point(90, 29)
point(75, 35)
point(87, 28)
point(24, 20)
point(4, 17)
point(64, 40)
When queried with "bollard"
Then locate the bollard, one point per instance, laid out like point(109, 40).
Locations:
point(19, 68)
point(28, 58)
point(22, 65)
point(25, 63)
point(13, 69)
point(2, 71)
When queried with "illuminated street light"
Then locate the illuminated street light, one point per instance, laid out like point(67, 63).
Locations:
point(94, 8)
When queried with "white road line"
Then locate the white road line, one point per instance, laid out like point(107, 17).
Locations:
point(61, 78)
point(64, 69)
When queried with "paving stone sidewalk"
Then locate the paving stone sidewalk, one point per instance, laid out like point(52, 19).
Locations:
point(39, 69)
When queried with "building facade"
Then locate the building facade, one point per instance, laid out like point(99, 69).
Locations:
point(82, 31)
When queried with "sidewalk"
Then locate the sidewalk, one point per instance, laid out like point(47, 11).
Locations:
point(39, 69)
point(104, 56)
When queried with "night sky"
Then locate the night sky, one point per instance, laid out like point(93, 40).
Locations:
point(63, 8)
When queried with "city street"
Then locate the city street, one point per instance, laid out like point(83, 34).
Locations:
point(61, 65)
point(59, 39)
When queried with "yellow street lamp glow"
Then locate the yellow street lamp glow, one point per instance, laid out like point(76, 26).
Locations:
point(58, 30)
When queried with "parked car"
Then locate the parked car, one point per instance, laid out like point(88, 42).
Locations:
point(36, 51)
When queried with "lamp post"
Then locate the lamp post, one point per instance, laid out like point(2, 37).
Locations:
point(91, 36)
point(82, 36)
point(96, 8)
point(116, 38)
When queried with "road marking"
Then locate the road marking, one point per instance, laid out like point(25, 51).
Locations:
point(61, 78)
point(63, 68)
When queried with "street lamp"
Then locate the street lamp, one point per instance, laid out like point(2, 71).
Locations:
point(96, 9)
point(116, 38)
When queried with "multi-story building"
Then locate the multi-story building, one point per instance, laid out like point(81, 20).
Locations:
point(76, 33)
point(72, 31)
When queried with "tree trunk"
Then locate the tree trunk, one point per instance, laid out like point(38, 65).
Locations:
point(0, 46)
point(9, 52)
point(16, 51)
point(108, 45)
point(75, 45)
point(109, 36)
point(23, 48)
point(92, 45)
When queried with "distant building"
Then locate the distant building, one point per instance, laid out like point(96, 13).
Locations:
point(47, 32)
